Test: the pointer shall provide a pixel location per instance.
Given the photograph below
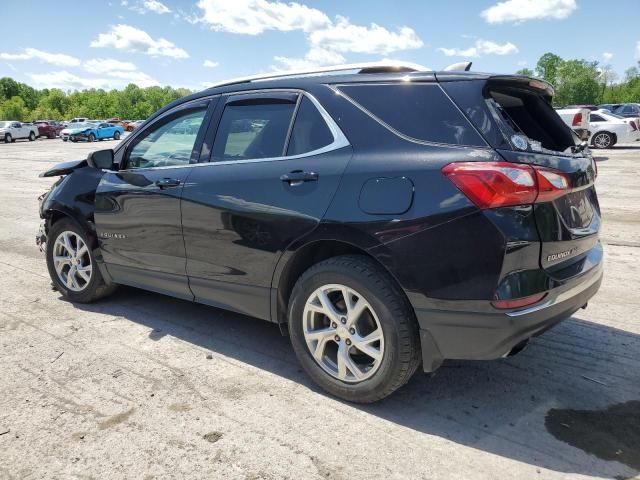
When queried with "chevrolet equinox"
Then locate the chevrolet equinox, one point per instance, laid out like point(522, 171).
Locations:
point(386, 217)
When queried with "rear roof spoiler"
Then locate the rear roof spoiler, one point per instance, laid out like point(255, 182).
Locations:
point(458, 67)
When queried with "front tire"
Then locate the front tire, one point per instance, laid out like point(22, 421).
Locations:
point(92, 137)
point(353, 329)
point(8, 138)
point(71, 264)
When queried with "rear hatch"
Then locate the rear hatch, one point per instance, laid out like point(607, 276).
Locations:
point(516, 117)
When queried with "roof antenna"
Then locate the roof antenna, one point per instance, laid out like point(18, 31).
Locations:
point(459, 67)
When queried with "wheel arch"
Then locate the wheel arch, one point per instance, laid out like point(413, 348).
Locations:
point(295, 262)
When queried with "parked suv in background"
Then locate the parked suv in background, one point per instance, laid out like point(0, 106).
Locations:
point(383, 217)
point(631, 110)
point(12, 130)
point(48, 128)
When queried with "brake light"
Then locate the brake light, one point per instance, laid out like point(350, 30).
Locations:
point(577, 120)
point(633, 125)
point(551, 184)
point(501, 184)
point(518, 302)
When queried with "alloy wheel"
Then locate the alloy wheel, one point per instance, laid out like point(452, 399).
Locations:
point(343, 333)
point(72, 261)
point(602, 140)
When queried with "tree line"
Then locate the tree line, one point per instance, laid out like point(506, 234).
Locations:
point(575, 82)
point(19, 101)
point(584, 82)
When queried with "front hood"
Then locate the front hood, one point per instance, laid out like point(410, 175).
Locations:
point(75, 131)
point(64, 168)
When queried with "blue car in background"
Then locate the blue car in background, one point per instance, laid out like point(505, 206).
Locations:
point(92, 132)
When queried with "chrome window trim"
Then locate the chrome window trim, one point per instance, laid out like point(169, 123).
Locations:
point(377, 119)
point(339, 138)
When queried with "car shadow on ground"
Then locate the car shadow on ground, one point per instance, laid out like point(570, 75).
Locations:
point(498, 407)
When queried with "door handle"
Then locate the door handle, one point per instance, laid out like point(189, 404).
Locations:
point(167, 182)
point(297, 177)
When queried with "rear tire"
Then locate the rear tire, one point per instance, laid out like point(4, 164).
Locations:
point(51, 135)
point(393, 358)
point(72, 268)
point(32, 137)
point(602, 140)
point(116, 136)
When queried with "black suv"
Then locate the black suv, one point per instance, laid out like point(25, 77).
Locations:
point(383, 218)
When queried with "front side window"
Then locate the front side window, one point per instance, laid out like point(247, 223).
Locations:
point(168, 144)
point(252, 131)
point(310, 131)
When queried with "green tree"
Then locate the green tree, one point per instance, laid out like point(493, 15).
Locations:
point(526, 71)
point(577, 83)
point(548, 67)
point(14, 109)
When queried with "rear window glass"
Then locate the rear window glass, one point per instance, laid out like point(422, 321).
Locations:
point(310, 131)
point(252, 131)
point(422, 112)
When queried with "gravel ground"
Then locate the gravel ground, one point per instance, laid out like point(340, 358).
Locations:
point(145, 386)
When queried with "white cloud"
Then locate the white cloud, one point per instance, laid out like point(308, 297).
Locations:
point(34, 54)
point(210, 64)
point(126, 37)
point(139, 78)
point(343, 36)
point(155, 6)
point(314, 58)
point(607, 56)
point(253, 17)
point(104, 65)
point(69, 81)
point(481, 47)
point(328, 38)
point(523, 10)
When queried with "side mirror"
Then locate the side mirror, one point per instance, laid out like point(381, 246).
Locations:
point(102, 159)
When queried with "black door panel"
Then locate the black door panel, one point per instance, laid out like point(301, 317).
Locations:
point(138, 223)
point(238, 219)
point(137, 214)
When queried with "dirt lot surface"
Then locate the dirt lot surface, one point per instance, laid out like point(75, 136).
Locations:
point(146, 386)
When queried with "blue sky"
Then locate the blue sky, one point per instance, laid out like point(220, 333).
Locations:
point(191, 43)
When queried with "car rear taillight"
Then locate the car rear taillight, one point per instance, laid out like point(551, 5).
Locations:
point(577, 120)
point(500, 184)
point(633, 125)
point(519, 302)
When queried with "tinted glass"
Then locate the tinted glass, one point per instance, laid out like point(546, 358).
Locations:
point(422, 112)
point(596, 118)
point(169, 143)
point(310, 131)
point(252, 131)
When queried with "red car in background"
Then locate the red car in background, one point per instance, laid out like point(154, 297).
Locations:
point(48, 128)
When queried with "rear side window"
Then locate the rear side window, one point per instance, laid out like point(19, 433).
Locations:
point(310, 131)
point(252, 131)
point(422, 112)
point(596, 118)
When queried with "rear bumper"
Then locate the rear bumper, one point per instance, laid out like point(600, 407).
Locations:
point(481, 332)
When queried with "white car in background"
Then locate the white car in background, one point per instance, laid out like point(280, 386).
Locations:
point(11, 130)
point(577, 119)
point(607, 129)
